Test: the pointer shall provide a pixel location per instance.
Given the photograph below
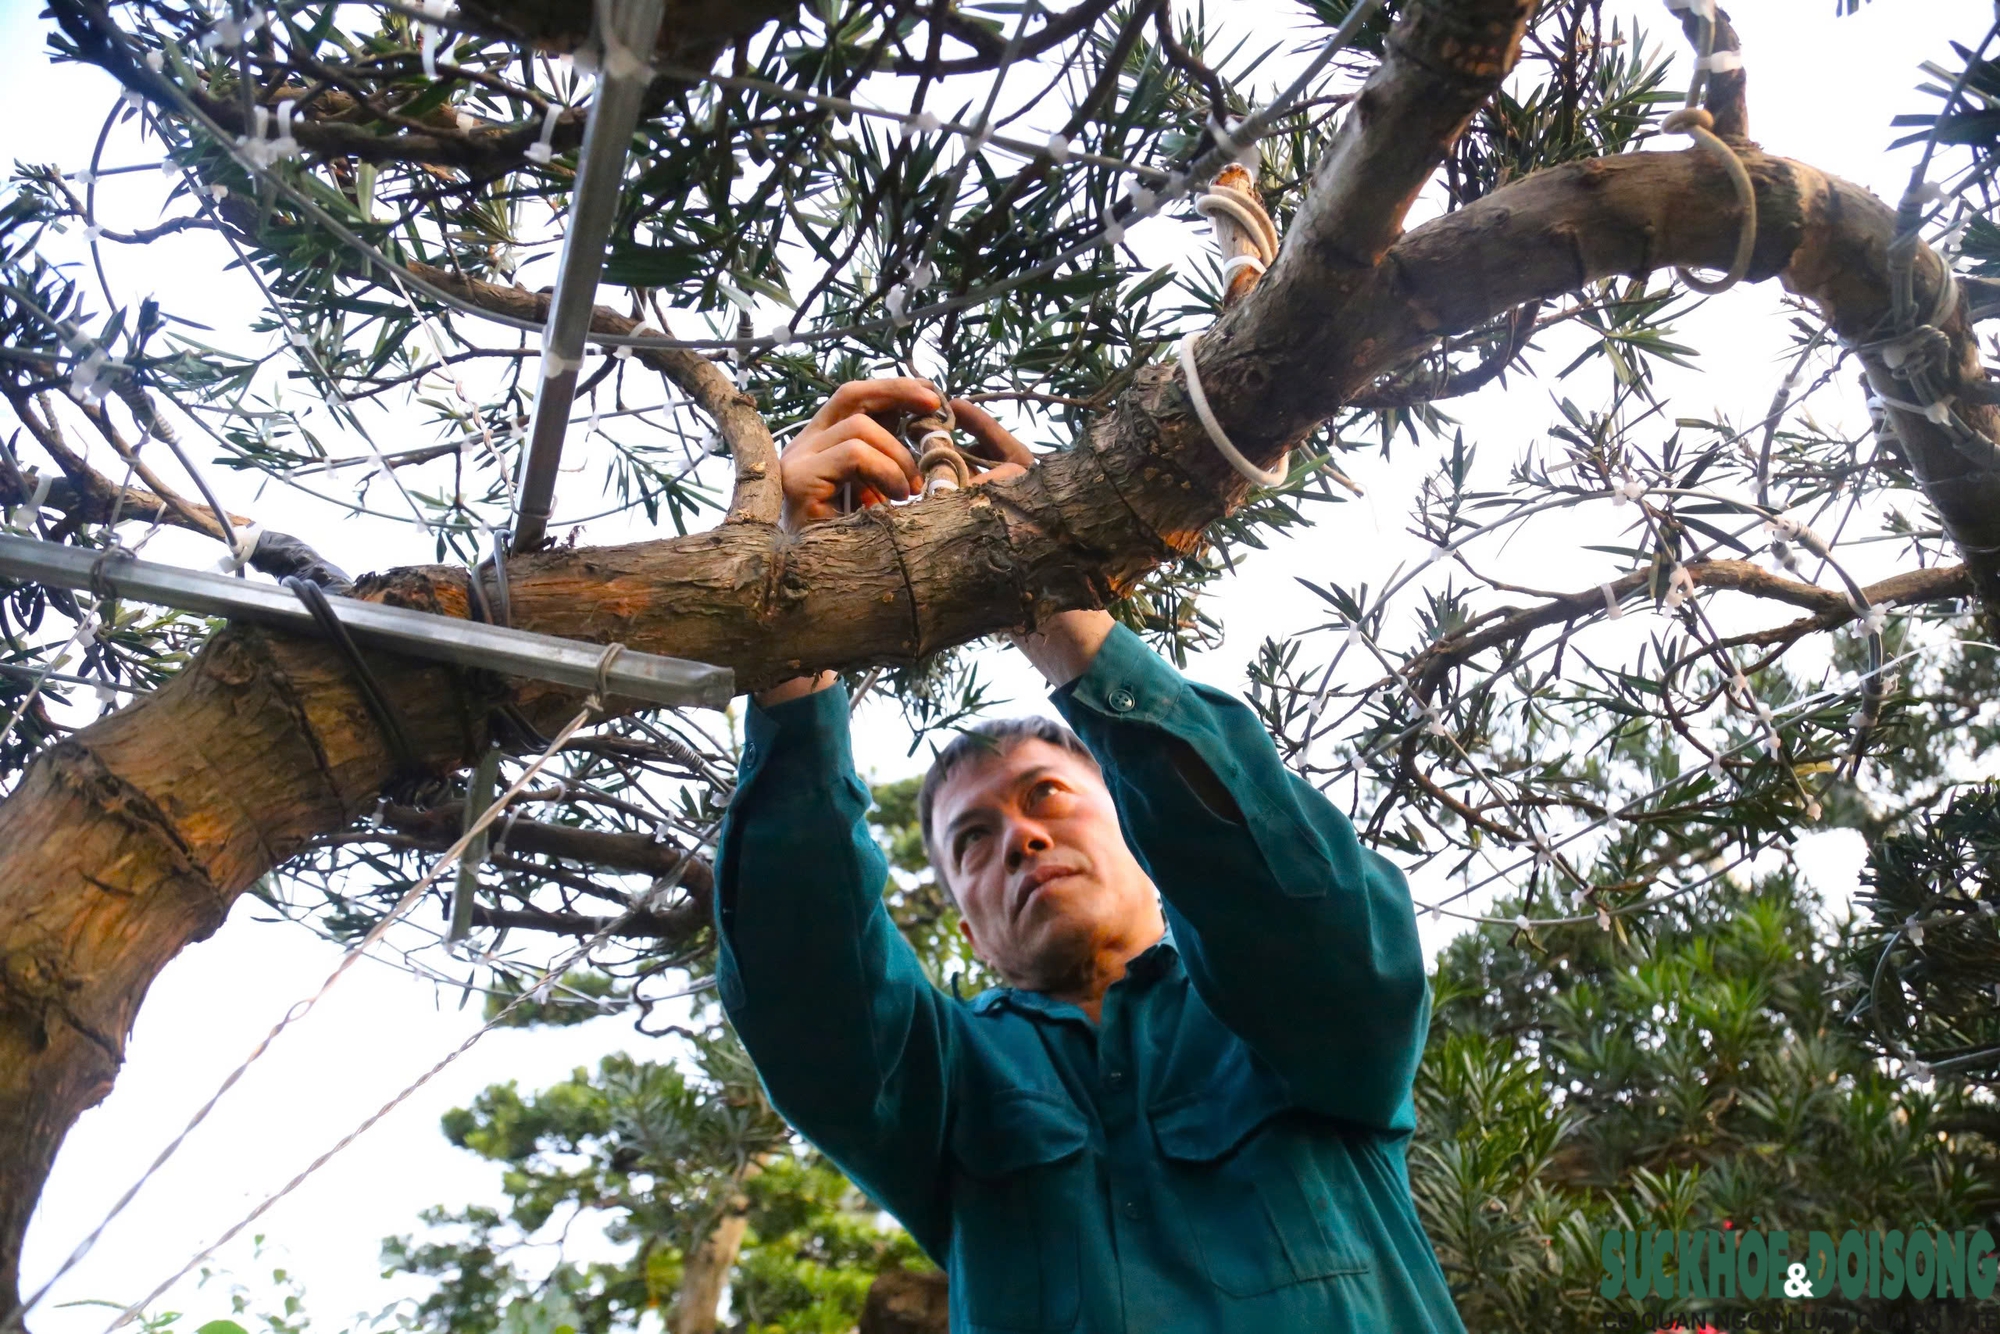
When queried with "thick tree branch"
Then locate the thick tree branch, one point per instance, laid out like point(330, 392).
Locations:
point(1442, 63)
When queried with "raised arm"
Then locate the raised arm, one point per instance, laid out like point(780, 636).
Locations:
point(852, 1041)
point(1303, 942)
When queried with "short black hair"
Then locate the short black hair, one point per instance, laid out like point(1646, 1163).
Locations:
point(994, 737)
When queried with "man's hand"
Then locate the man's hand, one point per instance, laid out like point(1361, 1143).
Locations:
point(845, 458)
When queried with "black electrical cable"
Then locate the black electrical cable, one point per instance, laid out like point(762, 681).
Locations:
point(410, 771)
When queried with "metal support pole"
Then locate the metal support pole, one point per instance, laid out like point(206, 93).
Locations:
point(631, 32)
point(642, 676)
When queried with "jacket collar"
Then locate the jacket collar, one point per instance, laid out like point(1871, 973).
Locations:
point(1147, 967)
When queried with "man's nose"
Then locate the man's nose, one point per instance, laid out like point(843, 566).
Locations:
point(1025, 839)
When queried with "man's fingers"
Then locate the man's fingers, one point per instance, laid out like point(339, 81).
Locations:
point(860, 461)
point(999, 443)
point(857, 427)
point(884, 395)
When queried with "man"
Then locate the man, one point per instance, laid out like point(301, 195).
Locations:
point(1189, 1121)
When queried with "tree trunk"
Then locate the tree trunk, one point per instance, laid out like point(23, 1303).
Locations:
point(132, 838)
point(705, 1272)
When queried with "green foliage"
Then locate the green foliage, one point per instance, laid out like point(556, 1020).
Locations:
point(1925, 964)
point(1706, 1057)
point(814, 1246)
point(1698, 1072)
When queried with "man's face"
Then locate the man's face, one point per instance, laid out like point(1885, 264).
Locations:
point(1049, 894)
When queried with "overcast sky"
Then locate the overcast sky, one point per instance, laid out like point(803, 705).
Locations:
point(1822, 90)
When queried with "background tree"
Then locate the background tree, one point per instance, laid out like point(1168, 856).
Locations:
point(672, 1168)
point(1703, 1072)
point(379, 173)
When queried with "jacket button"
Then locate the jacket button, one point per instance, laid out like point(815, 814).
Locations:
point(750, 752)
point(1116, 1079)
point(1120, 700)
point(1133, 1211)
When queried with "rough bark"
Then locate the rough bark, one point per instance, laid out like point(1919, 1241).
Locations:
point(130, 840)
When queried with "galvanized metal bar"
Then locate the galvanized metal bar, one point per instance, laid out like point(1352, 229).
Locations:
point(648, 677)
point(632, 29)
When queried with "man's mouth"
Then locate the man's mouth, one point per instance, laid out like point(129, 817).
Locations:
point(1035, 879)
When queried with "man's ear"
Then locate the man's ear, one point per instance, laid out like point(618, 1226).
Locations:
point(965, 929)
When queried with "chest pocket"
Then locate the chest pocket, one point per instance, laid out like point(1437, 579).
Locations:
point(1263, 1211)
point(1019, 1186)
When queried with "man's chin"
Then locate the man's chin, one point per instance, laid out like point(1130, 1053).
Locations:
point(1059, 953)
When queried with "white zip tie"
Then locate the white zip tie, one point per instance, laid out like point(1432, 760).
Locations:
point(1249, 471)
point(1680, 586)
point(29, 515)
point(285, 145)
point(1058, 149)
point(1240, 263)
point(241, 550)
point(543, 151)
point(1612, 611)
point(554, 365)
point(1720, 62)
point(1938, 413)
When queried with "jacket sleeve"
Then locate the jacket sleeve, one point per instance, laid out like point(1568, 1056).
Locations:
point(1301, 941)
point(849, 1036)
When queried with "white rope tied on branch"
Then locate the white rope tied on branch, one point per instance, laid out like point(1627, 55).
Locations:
point(1700, 126)
point(1249, 471)
point(1244, 232)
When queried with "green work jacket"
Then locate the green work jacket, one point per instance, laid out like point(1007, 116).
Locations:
point(1224, 1151)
